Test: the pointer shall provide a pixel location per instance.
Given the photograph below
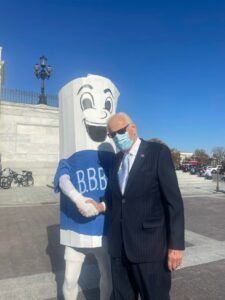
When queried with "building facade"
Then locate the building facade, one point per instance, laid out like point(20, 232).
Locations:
point(185, 155)
point(29, 139)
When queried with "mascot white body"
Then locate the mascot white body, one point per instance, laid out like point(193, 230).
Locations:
point(86, 153)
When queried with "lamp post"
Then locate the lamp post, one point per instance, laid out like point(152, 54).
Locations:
point(217, 181)
point(42, 71)
point(217, 177)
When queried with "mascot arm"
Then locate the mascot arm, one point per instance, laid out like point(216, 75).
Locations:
point(69, 190)
point(66, 185)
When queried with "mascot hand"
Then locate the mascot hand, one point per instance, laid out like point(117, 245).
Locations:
point(85, 208)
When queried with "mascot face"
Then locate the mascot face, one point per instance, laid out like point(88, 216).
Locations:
point(85, 105)
point(97, 100)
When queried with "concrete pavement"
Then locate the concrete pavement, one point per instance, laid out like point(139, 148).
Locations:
point(31, 258)
point(28, 196)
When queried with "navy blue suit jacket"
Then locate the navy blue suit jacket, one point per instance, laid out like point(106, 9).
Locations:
point(149, 218)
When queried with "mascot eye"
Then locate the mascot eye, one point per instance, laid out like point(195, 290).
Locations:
point(108, 104)
point(86, 101)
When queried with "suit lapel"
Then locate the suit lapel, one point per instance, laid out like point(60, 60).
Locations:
point(139, 160)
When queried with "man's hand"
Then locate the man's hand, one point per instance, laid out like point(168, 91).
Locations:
point(98, 206)
point(174, 259)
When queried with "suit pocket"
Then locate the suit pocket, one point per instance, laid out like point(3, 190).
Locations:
point(152, 223)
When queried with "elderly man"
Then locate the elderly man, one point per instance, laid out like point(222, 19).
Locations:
point(145, 213)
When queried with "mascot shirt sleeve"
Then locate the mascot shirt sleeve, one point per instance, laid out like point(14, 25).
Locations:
point(88, 171)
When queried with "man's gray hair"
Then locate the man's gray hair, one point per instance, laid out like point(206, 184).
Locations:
point(121, 115)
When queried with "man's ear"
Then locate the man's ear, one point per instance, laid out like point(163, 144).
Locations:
point(133, 126)
point(133, 130)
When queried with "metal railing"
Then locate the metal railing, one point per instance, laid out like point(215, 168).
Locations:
point(27, 97)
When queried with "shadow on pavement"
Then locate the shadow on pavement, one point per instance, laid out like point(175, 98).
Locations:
point(56, 255)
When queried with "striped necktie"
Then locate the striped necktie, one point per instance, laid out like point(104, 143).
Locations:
point(124, 172)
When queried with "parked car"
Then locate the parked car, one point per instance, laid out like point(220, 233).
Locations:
point(215, 169)
point(222, 170)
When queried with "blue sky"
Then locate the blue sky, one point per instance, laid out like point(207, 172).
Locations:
point(166, 57)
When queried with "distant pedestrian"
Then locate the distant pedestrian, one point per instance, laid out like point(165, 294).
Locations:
point(208, 174)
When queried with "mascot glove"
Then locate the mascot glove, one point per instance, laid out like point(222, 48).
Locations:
point(80, 201)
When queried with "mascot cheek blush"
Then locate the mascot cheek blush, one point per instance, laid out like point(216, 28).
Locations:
point(86, 153)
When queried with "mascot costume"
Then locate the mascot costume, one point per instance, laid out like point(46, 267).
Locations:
point(86, 153)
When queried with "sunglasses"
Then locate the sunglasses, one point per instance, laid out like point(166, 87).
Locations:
point(119, 131)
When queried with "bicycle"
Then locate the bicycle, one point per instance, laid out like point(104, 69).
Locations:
point(25, 179)
point(28, 179)
point(5, 182)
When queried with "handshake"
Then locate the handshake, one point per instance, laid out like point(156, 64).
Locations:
point(86, 206)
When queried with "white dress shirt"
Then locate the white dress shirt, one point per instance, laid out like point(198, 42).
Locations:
point(132, 153)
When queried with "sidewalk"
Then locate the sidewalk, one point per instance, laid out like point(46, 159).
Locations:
point(194, 185)
point(31, 258)
point(25, 196)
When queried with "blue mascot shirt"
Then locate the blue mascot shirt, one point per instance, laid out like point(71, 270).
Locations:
point(88, 171)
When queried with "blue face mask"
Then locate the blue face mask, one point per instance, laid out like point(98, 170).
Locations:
point(123, 141)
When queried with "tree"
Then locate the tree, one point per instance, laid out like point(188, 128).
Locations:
point(218, 153)
point(176, 157)
point(201, 156)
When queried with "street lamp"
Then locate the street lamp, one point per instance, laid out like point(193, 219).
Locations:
point(42, 71)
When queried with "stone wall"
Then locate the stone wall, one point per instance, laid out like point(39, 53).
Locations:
point(29, 139)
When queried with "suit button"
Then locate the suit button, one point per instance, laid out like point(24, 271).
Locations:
point(123, 200)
